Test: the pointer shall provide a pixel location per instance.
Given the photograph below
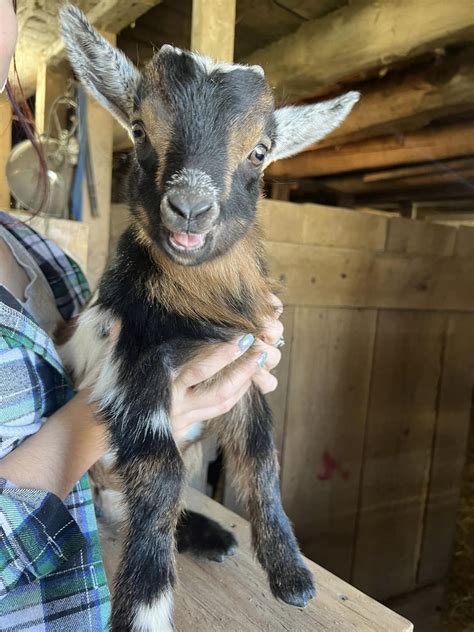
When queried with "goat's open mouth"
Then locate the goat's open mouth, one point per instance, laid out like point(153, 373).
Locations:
point(186, 242)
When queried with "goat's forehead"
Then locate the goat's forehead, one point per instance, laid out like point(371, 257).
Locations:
point(182, 79)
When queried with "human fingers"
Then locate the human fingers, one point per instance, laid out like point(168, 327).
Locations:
point(211, 361)
point(265, 381)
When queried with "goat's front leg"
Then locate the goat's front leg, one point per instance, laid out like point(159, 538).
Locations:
point(153, 481)
point(152, 473)
point(247, 439)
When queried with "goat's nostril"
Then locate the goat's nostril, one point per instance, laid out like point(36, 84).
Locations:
point(188, 206)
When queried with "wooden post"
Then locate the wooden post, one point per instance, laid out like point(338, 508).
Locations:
point(213, 28)
point(100, 128)
point(5, 148)
point(51, 82)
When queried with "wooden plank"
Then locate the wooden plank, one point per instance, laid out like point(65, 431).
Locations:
point(428, 168)
point(321, 225)
point(464, 247)
point(359, 38)
point(449, 450)
point(339, 277)
point(234, 596)
point(326, 411)
point(426, 145)
point(213, 26)
point(51, 83)
point(100, 129)
point(423, 607)
point(410, 100)
point(399, 436)
point(407, 236)
point(5, 148)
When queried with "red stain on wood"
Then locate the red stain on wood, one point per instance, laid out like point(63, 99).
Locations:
point(331, 467)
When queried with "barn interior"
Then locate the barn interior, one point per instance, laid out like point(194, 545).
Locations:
point(370, 231)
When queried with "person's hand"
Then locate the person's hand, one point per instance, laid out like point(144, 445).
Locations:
point(192, 402)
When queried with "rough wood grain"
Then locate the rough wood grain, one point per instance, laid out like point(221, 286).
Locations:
point(401, 417)
point(407, 101)
point(358, 38)
point(213, 26)
point(449, 449)
point(339, 277)
point(407, 236)
point(426, 145)
point(321, 225)
point(233, 596)
point(326, 411)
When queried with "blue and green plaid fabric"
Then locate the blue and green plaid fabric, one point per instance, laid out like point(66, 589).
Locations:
point(51, 572)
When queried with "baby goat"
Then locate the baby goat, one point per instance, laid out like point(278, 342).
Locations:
point(189, 272)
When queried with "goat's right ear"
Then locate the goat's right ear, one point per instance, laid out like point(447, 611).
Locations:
point(105, 71)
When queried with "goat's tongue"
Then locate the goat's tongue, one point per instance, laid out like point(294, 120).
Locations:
point(188, 240)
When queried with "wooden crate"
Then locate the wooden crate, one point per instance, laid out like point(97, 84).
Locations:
point(373, 405)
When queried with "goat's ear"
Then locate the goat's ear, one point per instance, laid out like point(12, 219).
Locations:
point(105, 71)
point(298, 127)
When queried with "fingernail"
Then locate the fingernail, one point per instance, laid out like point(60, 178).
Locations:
point(246, 342)
point(262, 358)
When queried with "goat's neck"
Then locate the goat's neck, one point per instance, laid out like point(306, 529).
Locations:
point(232, 289)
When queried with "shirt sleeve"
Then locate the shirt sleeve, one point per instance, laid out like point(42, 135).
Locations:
point(37, 532)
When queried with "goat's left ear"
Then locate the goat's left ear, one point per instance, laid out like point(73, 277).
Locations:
point(298, 127)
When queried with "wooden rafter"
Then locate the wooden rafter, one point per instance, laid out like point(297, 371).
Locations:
point(426, 145)
point(359, 38)
point(410, 101)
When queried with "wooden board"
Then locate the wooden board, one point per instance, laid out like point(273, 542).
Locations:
point(401, 418)
point(449, 449)
point(234, 596)
point(318, 276)
point(213, 27)
point(357, 39)
point(321, 225)
point(407, 236)
point(326, 410)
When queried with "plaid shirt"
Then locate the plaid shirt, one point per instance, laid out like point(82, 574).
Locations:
point(51, 572)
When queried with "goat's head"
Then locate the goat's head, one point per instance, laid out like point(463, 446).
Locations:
point(203, 134)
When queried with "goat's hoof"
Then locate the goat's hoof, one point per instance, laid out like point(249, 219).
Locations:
point(205, 538)
point(294, 585)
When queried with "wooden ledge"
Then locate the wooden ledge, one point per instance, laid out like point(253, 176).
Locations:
point(234, 596)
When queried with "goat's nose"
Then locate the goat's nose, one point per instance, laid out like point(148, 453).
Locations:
point(189, 205)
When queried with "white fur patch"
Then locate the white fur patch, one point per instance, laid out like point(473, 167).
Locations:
point(85, 351)
point(157, 617)
point(199, 181)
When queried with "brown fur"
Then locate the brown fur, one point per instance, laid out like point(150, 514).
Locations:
point(204, 291)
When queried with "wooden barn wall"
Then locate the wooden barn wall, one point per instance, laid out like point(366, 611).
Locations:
point(373, 405)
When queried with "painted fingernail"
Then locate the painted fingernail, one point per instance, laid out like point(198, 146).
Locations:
point(262, 358)
point(246, 342)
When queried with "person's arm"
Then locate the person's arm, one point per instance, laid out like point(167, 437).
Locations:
point(8, 35)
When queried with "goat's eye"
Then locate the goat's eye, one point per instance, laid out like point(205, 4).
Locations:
point(257, 155)
point(138, 131)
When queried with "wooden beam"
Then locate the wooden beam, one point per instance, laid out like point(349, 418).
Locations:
point(5, 148)
point(213, 28)
point(409, 101)
point(358, 38)
point(108, 15)
point(50, 84)
point(430, 144)
point(428, 168)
